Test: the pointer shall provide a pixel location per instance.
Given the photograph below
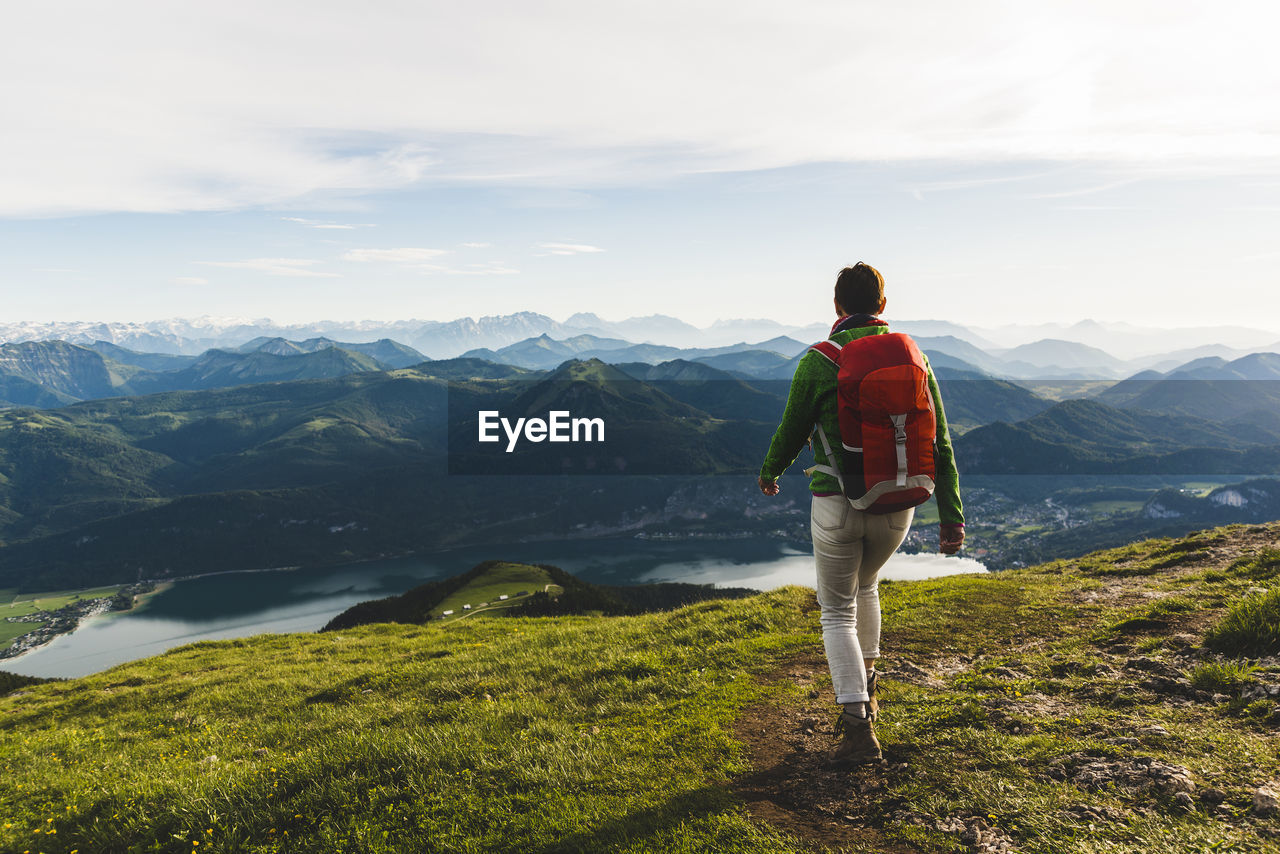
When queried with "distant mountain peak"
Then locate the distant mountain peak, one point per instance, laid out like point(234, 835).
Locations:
point(587, 369)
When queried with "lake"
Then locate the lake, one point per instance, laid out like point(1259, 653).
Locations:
point(238, 604)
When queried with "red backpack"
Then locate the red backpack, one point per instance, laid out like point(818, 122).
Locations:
point(887, 422)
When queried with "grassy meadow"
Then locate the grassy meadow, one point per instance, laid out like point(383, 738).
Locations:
point(1021, 702)
point(504, 579)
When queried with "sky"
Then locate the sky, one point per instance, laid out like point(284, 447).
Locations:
point(1000, 162)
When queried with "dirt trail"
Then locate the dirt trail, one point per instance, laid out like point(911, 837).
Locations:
point(788, 739)
point(791, 788)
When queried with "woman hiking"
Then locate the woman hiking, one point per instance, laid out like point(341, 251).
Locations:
point(849, 544)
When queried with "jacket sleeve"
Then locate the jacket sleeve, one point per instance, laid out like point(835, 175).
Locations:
point(947, 479)
point(798, 418)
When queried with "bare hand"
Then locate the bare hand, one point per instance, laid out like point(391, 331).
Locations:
point(768, 487)
point(950, 539)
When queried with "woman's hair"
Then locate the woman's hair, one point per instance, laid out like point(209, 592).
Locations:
point(859, 289)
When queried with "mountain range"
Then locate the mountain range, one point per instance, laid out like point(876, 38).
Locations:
point(341, 468)
point(1088, 437)
point(544, 352)
point(1138, 347)
point(54, 373)
point(272, 450)
point(1210, 387)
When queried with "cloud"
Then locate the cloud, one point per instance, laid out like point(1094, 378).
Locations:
point(1086, 191)
point(1258, 256)
point(295, 106)
point(315, 223)
point(918, 190)
point(476, 245)
point(275, 266)
point(406, 255)
point(494, 269)
point(568, 248)
point(189, 280)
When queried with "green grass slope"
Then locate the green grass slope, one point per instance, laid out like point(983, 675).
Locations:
point(485, 735)
point(484, 582)
point(532, 590)
point(503, 578)
point(1096, 704)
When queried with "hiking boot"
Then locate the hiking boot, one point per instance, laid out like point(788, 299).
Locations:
point(858, 743)
point(873, 705)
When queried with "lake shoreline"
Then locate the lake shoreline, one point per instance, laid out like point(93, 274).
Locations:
point(175, 579)
point(70, 618)
point(244, 602)
point(621, 536)
point(161, 585)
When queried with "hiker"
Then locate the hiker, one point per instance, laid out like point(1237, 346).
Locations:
point(850, 545)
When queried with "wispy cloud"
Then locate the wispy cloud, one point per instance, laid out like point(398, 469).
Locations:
point(419, 259)
point(275, 266)
point(189, 280)
point(1258, 256)
point(567, 249)
point(919, 190)
point(403, 255)
point(476, 245)
point(1102, 208)
point(987, 81)
point(494, 269)
point(1086, 191)
point(316, 223)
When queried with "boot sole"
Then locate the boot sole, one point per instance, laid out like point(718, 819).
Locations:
point(845, 762)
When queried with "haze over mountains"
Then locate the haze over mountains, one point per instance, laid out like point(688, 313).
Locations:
point(276, 450)
point(988, 385)
point(338, 468)
point(154, 357)
point(998, 384)
point(445, 339)
point(55, 373)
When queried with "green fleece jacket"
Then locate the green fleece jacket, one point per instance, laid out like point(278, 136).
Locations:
point(812, 400)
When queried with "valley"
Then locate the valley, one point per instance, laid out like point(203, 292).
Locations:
point(270, 451)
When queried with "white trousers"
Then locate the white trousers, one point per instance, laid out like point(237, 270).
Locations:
point(849, 547)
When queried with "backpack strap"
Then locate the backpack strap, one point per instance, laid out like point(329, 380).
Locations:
point(832, 469)
point(900, 440)
point(829, 350)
